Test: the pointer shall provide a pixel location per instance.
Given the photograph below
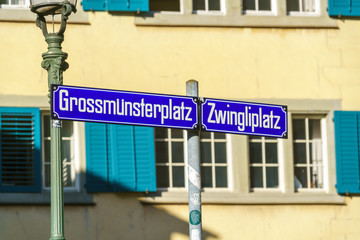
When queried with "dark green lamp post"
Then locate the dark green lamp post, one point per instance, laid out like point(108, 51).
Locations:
point(54, 63)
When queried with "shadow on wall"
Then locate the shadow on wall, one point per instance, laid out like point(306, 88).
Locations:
point(122, 216)
point(162, 225)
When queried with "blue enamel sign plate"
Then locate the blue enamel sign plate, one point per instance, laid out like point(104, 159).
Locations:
point(244, 118)
point(121, 107)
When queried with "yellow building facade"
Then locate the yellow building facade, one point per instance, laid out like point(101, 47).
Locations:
point(306, 60)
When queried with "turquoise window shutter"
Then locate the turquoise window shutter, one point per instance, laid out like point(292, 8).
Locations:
point(347, 151)
point(119, 158)
point(94, 5)
point(20, 149)
point(128, 5)
point(97, 158)
point(145, 150)
point(116, 5)
point(123, 177)
point(344, 8)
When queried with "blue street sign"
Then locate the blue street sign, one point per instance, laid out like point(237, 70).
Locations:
point(244, 118)
point(133, 108)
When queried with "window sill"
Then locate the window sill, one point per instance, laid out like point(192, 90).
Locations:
point(70, 198)
point(25, 15)
point(233, 20)
point(271, 198)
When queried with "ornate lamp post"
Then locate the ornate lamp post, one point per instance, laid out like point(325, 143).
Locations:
point(54, 63)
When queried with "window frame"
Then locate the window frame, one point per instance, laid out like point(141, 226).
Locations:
point(301, 11)
point(211, 12)
point(75, 158)
point(16, 6)
point(169, 140)
point(264, 164)
point(307, 142)
point(233, 16)
point(257, 12)
point(212, 164)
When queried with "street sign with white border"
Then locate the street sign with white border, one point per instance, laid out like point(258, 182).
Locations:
point(123, 107)
point(244, 118)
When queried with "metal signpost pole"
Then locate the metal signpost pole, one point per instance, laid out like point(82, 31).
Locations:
point(54, 63)
point(194, 177)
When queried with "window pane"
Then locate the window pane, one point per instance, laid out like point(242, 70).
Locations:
point(67, 176)
point(220, 152)
point(47, 175)
point(161, 132)
point(177, 152)
point(162, 176)
point(316, 177)
point(214, 4)
point(314, 129)
point(66, 151)
point(271, 152)
point(198, 5)
point(308, 5)
point(206, 177)
point(221, 176)
point(300, 177)
point(205, 149)
point(47, 150)
point(161, 152)
point(292, 6)
point(272, 177)
point(177, 133)
point(299, 153)
point(265, 5)
point(255, 153)
point(164, 5)
point(219, 135)
point(299, 128)
point(46, 122)
point(256, 177)
point(178, 176)
point(205, 135)
point(316, 153)
point(249, 5)
point(67, 128)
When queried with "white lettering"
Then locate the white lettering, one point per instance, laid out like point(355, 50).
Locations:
point(65, 100)
point(82, 104)
point(90, 103)
point(211, 113)
point(164, 113)
point(188, 114)
point(277, 121)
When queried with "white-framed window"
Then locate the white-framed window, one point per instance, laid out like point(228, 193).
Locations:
point(171, 160)
point(214, 161)
point(14, 3)
point(260, 7)
point(70, 159)
point(208, 6)
point(302, 7)
point(165, 5)
point(264, 163)
point(308, 152)
point(266, 168)
point(198, 6)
